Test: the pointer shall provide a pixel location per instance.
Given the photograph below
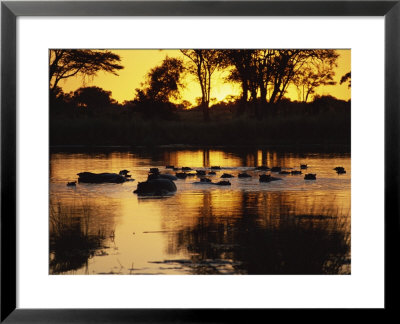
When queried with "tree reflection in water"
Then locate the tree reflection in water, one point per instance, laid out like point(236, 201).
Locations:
point(286, 242)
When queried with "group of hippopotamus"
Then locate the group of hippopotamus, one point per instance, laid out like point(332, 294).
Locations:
point(159, 184)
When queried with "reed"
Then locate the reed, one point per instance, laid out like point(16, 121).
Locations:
point(71, 240)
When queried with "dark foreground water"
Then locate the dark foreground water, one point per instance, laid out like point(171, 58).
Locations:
point(293, 226)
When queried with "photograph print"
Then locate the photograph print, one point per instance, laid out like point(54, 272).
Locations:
point(200, 161)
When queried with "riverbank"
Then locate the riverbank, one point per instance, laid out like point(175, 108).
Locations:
point(317, 130)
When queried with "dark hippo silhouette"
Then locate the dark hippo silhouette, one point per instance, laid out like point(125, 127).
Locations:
point(310, 176)
point(222, 183)
point(263, 168)
point(155, 187)
point(181, 175)
point(200, 172)
point(303, 166)
point(204, 181)
point(154, 170)
point(124, 172)
point(71, 184)
point(152, 176)
point(170, 167)
point(186, 169)
point(340, 170)
point(89, 177)
point(244, 175)
point(268, 178)
point(294, 172)
point(215, 167)
point(284, 172)
point(276, 169)
point(227, 175)
point(212, 173)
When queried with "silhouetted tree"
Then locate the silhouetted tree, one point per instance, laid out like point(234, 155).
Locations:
point(345, 78)
point(60, 102)
point(92, 98)
point(287, 64)
point(65, 63)
point(203, 63)
point(313, 76)
point(243, 72)
point(163, 82)
point(265, 75)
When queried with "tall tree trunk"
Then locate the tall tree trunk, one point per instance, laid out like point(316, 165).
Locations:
point(206, 111)
point(243, 100)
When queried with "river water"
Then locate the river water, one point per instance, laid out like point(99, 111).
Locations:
point(292, 226)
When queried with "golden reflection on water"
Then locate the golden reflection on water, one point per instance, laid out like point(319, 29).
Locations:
point(199, 223)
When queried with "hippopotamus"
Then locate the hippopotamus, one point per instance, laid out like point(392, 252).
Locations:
point(276, 169)
point(223, 183)
point(244, 175)
point(227, 175)
point(268, 178)
point(215, 167)
point(263, 168)
point(284, 172)
point(181, 175)
point(212, 173)
point(294, 172)
point(152, 176)
point(303, 166)
point(200, 172)
point(89, 177)
point(310, 176)
point(203, 181)
point(340, 170)
point(155, 187)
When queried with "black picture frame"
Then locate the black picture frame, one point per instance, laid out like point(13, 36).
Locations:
point(10, 10)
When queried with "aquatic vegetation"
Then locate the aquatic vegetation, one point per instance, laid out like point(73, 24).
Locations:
point(299, 244)
point(71, 241)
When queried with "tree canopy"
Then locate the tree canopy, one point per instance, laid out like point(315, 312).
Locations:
point(92, 97)
point(65, 63)
point(163, 82)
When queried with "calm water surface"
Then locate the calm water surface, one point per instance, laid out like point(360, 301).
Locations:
point(291, 226)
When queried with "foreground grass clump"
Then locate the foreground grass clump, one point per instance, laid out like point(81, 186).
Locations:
point(71, 242)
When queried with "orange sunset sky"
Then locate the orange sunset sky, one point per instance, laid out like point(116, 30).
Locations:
point(137, 63)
